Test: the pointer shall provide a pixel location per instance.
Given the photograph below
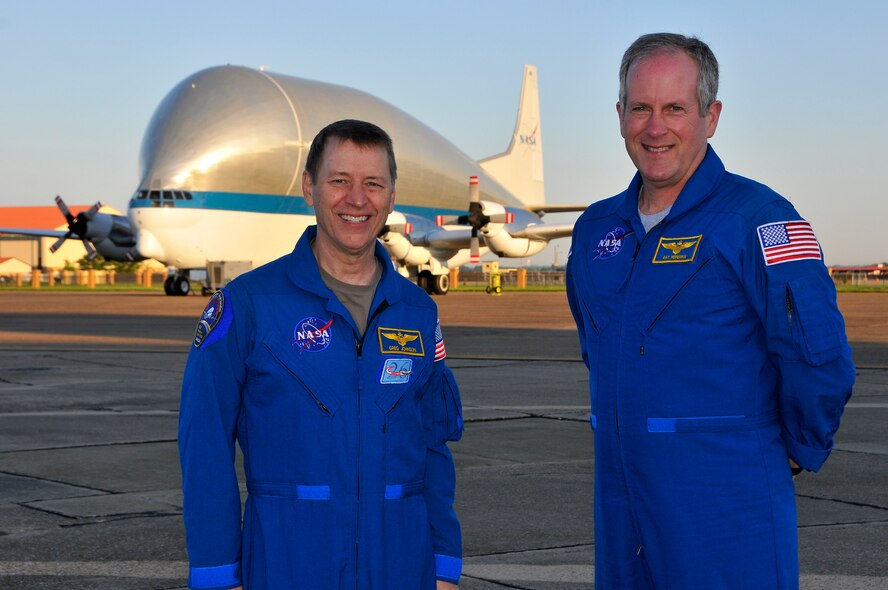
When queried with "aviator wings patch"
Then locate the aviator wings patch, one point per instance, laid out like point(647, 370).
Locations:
point(400, 341)
point(673, 250)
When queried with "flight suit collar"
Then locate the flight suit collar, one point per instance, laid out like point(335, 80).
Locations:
point(698, 188)
point(304, 273)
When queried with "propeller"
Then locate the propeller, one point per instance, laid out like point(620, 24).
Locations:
point(476, 218)
point(77, 226)
point(398, 228)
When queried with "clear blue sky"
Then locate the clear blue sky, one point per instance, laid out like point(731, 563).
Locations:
point(803, 86)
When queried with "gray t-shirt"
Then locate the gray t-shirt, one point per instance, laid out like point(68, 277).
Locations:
point(649, 221)
point(356, 298)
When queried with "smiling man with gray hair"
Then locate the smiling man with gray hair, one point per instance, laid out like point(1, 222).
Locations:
point(718, 361)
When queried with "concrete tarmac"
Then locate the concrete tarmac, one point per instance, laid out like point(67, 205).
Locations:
point(89, 476)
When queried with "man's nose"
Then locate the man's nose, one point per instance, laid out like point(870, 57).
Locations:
point(357, 195)
point(656, 124)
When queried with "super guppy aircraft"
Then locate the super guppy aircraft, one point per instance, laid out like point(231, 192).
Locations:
point(221, 166)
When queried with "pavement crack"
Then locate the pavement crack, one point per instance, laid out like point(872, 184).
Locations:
point(532, 550)
point(496, 582)
point(91, 446)
point(57, 481)
point(10, 382)
point(498, 419)
point(122, 517)
point(846, 502)
point(848, 523)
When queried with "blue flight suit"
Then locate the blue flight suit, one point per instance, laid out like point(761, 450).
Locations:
point(715, 351)
point(350, 483)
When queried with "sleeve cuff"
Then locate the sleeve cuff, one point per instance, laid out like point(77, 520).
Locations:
point(448, 568)
point(810, 459)
point(219, 577)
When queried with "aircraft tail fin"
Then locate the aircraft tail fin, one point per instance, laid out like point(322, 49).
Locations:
point(520, 168)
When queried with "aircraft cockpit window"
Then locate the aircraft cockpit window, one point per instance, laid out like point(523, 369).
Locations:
point(143, 194)
point(187, 195)
point(167, 195)
point(178, 195)
point(154, 195)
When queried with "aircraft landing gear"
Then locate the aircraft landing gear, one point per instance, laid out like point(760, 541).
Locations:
point(441, 284)
point(434, 284)
point(177, 285)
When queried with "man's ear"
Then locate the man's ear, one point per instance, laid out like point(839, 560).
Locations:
point(306, 188)
point(712, 116)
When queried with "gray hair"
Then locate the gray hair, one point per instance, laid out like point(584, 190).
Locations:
point(647, 45)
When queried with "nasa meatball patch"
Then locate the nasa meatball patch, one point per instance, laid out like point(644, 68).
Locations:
point(312, 334)
point(611, 243)
point(210, 321)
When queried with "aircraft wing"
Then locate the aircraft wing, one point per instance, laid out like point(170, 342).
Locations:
point(545, 231)
point(550, 208)
point(45, 233)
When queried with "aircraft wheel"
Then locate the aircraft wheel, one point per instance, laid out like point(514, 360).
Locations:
point(168, 285)
point(181, 286)
point(441, 284)
point(424, 280)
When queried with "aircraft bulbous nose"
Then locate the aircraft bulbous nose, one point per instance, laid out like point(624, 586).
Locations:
point(149, 246)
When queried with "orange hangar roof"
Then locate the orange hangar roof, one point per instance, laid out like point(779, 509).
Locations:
point(40, 217)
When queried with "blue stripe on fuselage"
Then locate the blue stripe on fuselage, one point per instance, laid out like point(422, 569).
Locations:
point(255, 203)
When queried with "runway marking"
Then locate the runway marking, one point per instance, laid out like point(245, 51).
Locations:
point(566, 573)
point(7, 337)
point(118, 569)
point(868, 405)
point(529, 408)
point(584, 574)
point(580, 573)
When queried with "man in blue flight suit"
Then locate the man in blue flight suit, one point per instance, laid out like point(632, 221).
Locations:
point(717, 356)
point(326, 366)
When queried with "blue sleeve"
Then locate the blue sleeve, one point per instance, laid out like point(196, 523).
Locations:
point(573, 300)
point(444, 423)
point(806, 340)
point(208, 415)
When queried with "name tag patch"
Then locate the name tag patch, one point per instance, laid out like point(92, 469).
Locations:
point(676, 250)
point(396, 371)
point(399, 341)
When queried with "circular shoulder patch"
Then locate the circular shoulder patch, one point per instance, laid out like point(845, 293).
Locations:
point(212, 313)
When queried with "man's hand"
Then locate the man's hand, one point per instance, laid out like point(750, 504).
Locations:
point(442, 585)
point(794, 467)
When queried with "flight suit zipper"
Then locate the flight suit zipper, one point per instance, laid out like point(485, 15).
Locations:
point(359, 346)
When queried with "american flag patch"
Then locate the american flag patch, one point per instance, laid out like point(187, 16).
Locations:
point(788, 241)
point(440, 353)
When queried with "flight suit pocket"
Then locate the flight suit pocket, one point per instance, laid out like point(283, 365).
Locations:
point(403, 429)
point(816, 335)
point(408, 556)
point(290, 538)
point(317, 390)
